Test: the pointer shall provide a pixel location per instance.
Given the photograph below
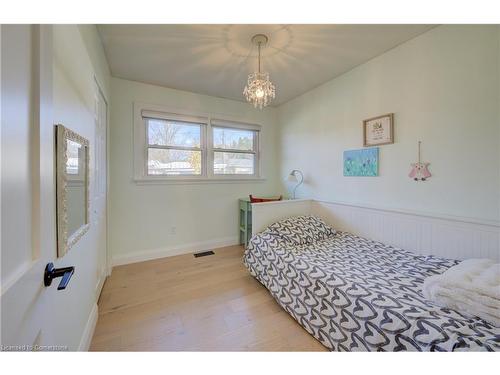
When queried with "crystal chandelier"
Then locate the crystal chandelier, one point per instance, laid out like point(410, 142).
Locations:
point(259, 89)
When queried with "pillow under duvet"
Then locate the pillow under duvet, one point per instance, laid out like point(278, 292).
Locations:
point(301, 230)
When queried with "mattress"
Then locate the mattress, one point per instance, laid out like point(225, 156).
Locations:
point(354, 294)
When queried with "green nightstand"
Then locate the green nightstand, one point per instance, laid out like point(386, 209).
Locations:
point(245, 220)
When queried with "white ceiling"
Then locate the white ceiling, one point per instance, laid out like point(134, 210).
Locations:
point(216, 59)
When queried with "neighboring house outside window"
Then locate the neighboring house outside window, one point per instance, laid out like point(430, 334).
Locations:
point(176, 147)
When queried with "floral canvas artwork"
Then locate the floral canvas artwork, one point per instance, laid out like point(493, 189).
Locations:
point(362, 162)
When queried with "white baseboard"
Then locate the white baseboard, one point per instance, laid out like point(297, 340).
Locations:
point(194, 247)
point(88, 332)
point(100, 283)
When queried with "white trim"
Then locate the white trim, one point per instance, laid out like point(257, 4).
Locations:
point(15, 276)
point(468, 220)
point(220, 123)
point(423, 233)
point(192, 112)
point(147, 146)
point(228, 179)
point(256, 150)
point(162, 115)
point(282, 202)
point(140, 144)
point(194, 247)
point(100, 283)
point(108, 266)
point(88, 331)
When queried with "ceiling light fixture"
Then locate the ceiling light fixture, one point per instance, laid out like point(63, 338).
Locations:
point(259, 89)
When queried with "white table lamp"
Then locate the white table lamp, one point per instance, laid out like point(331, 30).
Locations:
point(292, 177)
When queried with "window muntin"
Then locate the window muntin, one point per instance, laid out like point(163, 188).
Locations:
point(173, 148)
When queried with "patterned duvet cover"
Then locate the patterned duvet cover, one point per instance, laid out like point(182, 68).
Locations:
point(354, 294)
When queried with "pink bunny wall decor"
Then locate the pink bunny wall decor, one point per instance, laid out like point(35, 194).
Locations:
point(419, 171)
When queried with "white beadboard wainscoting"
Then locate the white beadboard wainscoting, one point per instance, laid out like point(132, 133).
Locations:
point(426, 234)
point(449, 237)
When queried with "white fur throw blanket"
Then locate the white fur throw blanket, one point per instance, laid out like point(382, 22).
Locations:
point(471, 287)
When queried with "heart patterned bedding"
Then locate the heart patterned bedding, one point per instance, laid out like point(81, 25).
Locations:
point(353, 294)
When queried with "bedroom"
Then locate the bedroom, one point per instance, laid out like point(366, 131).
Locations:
point(217, 185)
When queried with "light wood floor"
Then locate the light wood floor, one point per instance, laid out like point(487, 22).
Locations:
point(185, 303)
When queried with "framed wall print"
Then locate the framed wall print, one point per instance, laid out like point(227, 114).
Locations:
point(378, 130)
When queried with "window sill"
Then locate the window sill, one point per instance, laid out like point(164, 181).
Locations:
point(196, 181)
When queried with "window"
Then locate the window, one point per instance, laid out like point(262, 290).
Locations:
point(172, 146)
point(234, 151)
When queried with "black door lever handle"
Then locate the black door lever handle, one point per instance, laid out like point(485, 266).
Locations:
point(52, 273)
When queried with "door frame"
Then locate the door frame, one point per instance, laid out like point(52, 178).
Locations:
point(108, 252)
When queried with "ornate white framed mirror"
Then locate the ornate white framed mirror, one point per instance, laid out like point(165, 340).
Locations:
point(73, 187)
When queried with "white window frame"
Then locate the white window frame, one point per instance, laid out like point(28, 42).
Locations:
point(141, 145)
point(202, 122)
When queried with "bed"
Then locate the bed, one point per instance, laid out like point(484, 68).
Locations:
point(354, 294)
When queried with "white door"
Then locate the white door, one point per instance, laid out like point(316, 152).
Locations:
point(100, 186)
point(27, 186)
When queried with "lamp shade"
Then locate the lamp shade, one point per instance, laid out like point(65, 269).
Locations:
point(292, 177)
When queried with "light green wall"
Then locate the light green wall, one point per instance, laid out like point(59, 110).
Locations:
point(141, 216)
point(443, 88)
